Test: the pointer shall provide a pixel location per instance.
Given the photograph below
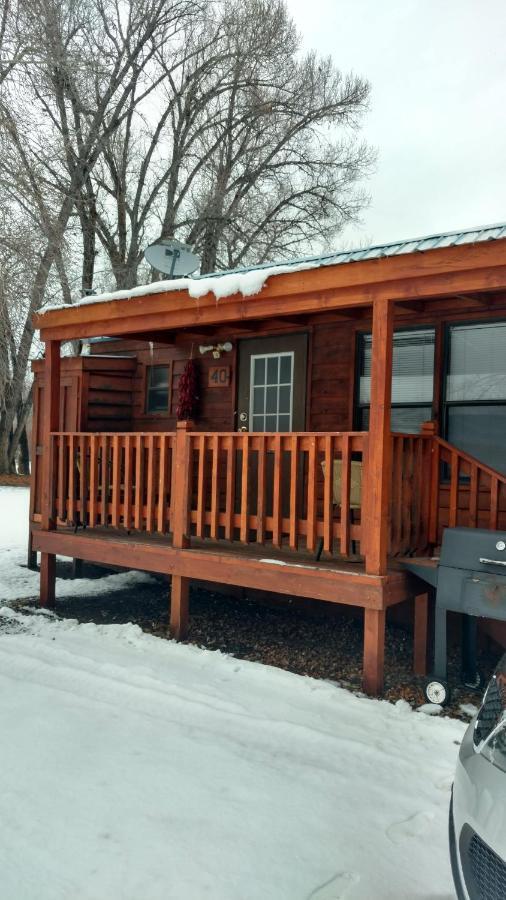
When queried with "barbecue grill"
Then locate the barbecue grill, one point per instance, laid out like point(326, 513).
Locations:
point(470, 578)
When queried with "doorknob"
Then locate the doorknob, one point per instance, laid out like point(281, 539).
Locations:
point(243, 428)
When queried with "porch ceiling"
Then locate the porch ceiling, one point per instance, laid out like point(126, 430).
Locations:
point(441, 272)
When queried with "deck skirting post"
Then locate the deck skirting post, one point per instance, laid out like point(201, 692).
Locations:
point(179, 607)
point(50, 423)
point(374, 650)
point(379, 458)
point(47, 579)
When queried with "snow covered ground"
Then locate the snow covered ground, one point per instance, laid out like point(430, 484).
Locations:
point(133, 768)
point(19, 583)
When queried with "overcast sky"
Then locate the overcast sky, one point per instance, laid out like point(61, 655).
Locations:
point(438, 107)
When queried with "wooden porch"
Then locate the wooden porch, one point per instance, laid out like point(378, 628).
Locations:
point(278, 512)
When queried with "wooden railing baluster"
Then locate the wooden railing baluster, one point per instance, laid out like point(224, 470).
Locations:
point(162, 483)
point(215, 486)
point(150, 466)
point(277, 536)
point(294, 491)
point(345, 495)
point(311, 495)
point(230, 488)
point(93, 485)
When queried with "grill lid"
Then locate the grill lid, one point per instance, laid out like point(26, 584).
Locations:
point(474, 549)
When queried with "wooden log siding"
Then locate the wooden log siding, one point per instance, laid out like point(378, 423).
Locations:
point(117, 480)
point(271, 489)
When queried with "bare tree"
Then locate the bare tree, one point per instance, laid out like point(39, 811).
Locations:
point(252, 153)
point(68, 100)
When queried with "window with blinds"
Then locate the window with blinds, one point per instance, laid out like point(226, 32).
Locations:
point(476, 391)
point(412, 379)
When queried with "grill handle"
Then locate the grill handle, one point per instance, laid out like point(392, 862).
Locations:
point(493, 562)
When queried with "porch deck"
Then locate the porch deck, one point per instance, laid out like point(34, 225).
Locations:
point(282, 513)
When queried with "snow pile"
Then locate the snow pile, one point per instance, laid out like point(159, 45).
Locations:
point(17, 582)
point(246, 283)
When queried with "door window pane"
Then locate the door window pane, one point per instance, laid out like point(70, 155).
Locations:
point(480, 431)
point(285, 370)
point(285, 396)
point(477, 369)
point(259, 370)
point(272, 369)
point(258, 400)
point(271, 400)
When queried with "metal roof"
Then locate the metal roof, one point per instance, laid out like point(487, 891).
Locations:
point(377, 251)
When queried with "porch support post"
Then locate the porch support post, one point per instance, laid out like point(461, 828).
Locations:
point(50, 422)
point(374, 651)
point(179, 607)
point(379, 473)
point(180, 510)
point(180, 488)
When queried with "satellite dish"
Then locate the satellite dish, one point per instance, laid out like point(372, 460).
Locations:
point(172, 258)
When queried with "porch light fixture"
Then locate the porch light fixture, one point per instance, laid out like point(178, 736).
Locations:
point(216, 349)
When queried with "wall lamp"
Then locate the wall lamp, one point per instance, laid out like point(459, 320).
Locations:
point(216, 349)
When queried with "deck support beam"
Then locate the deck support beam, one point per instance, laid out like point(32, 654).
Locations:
point(50, 422)
point(374, 651)
point(179, 607)
point(379, 472)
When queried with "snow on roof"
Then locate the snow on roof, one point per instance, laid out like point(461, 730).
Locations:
point(250, 281)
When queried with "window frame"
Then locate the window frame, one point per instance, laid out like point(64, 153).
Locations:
point(161, 413)
point(359, 407)
point(449, 404)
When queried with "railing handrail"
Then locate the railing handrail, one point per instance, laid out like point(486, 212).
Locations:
point(471, 460)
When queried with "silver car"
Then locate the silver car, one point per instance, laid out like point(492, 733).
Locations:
point(478, 806)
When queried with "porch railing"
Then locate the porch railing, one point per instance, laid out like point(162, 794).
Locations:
point(465, 492)
point(297, 491)
point(410, 494)
point(434, 486)
point(121, 480)
point(286, 490)
point(289, 490)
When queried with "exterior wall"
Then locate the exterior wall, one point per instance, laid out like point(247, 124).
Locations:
point(331, 368)
point(95, 395)
point(216, 405)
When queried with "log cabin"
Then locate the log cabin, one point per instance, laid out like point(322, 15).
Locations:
point(348, 408)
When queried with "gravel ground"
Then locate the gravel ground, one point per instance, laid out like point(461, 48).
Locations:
point(287, 636)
